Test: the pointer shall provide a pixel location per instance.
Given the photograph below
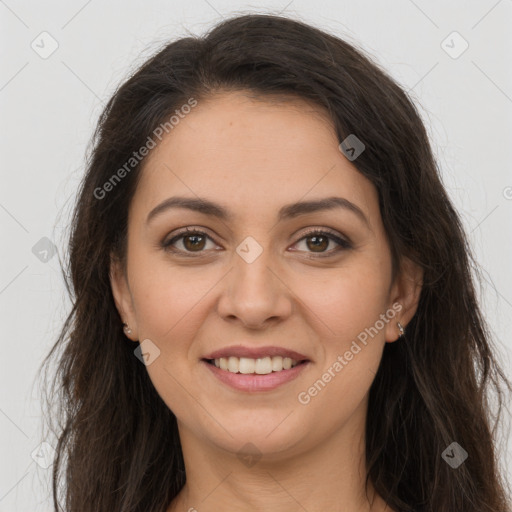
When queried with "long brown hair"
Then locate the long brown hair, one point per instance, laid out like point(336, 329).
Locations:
point(119, 442)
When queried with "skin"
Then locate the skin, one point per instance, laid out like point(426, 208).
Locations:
point(254, 156)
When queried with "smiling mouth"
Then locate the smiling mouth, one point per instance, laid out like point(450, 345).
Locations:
point(260, 366)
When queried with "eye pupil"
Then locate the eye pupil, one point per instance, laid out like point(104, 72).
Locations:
point(322, 245)
point(195, 244)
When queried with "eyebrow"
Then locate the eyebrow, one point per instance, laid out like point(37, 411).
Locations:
point(289, 211)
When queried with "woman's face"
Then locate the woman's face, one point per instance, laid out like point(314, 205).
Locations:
point(257, 279)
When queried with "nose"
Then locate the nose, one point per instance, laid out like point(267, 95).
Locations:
point(255, 294)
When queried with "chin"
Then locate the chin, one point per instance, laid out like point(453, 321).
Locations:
point(269, 436)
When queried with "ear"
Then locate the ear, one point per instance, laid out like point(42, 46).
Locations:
point(405, 295)
point(122, 296)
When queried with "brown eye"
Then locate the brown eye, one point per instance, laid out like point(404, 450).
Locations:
point(188, 241)
point(317, 243)
point(194, 242)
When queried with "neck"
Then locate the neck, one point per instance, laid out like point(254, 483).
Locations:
point(328, 476)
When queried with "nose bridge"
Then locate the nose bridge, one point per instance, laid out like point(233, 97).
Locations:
point(252, 274)
point(254, 293)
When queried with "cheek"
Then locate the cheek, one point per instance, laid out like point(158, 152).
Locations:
point(166, 297)
point(346, 300)
point(347, 309)
point(170, 308)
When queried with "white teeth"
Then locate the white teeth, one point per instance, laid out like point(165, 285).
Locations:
point(246, 365)
point(260, 366)
point(233, 363)
point(263, 366)
point(277, 363)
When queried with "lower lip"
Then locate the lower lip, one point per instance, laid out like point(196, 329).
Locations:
point(253, 382)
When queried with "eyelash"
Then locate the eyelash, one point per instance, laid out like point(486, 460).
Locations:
point(342, 244)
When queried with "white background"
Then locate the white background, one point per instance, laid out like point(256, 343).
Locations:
point(49, 108)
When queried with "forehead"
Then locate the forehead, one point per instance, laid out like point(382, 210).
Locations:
point(244, 151)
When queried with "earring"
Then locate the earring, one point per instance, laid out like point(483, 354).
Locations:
point(126, 329)
point(401, 329)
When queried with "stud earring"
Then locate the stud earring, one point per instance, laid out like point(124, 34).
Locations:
point(401, 329)
point(126, 329)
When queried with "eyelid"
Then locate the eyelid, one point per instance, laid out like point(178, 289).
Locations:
point(167, 242)
point(328, 231)
point(344, 243)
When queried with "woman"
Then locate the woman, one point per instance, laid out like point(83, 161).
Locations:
point(273, 299)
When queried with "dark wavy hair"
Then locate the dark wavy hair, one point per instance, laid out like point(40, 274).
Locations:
point(118, 445)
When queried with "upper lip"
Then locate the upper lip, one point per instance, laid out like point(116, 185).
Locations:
point(255, 352)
